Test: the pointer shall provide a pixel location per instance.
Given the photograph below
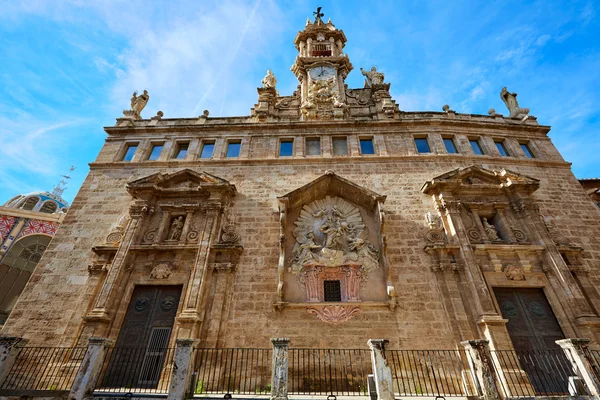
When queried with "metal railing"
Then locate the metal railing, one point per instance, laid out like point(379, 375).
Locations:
point(527, 373)
point(44, 368)
point(431, 373)
point(594, 357)
point(136, 370)
point(340, 372)
point(228, 370)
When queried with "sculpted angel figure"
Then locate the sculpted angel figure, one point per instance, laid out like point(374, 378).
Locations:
point(304, 251)
point(510, 99)
point(333, 233)
point(176, 228)
point(490, 230)
point(373, 77)
point(139, 102)
point(269, 81)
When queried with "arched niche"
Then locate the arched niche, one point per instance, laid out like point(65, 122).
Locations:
point(332, 241)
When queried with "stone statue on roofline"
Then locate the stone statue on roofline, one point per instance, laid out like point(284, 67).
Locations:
point(269, 81)
point(137, 105)
point(374, 77)
point(510, 99)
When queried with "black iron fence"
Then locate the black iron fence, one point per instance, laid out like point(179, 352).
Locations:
point(44, 368)
point(530, 373)
point(136, 370)
point(228, 370)
point(431, 373)
point(341, 372)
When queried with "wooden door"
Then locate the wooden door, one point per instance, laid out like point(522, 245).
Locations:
point(533, 330)
point(138, 357)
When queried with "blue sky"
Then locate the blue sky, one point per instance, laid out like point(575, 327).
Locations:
point(68, 67)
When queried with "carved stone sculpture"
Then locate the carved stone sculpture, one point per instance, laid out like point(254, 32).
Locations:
point(510, 99)
point(514, 273)
point(161, 271)
point(137, 105)
point(490, 230)
point(334, 314)
point(373, 77)
point(229, 233)
point(176, 229)
point(269, 81)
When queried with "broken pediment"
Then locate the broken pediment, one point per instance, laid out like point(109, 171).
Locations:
point(479, 180)
point(185, 182)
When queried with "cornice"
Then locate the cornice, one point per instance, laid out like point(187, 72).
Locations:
point(17, 212)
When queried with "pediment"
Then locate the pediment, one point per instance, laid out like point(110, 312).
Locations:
point(184, 181)
point(476, 178)
point(331, 184)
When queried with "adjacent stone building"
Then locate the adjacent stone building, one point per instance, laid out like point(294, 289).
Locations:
point(329, 216)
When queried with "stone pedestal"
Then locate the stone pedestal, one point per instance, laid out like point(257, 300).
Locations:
point(180, 375)
point(10, 347)
point(90, 369)
point(482, 367)
point(577, 352)
point(279, 379)
point(384, 384)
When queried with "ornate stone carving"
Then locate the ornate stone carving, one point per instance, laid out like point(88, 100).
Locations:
point(269, 81)
point(97, 268)
point(449, 266)
point(436, 233)
point(150, 236)
point(490, 230)
point(556, 237)
point(193, 234)
point(334, 314)
point(116, 235)
point(514, 272)
point(137, 105)
point(161, 271)
point(519, 235)
point(229, 233)
point(373, 77)
point(510, 99)
point(330, 232)
point(176, 228)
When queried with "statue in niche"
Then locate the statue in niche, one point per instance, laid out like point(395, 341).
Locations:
point(176, 228)
point(490, 230)
point(510, 99)
point(269, 81)
point(330, 232)
point(374, 77)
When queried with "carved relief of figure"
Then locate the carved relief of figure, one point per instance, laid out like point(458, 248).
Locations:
point(510, 99)
point(176, 228)
point(333, 233)
point(373, 77)
point(269, 81)
point(139, 102)
point(490, 230)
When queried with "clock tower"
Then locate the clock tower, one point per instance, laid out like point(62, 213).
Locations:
point(321, 67)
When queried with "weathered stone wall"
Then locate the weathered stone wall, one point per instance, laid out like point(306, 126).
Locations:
point(430, 311)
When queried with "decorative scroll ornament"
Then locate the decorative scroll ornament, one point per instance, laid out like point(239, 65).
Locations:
point(514, 273)
point(150, 236)
point(229, 233)
point(519, 235)
point(116, 235)
point(334, 314)
point(330, 232)
point(161, 271)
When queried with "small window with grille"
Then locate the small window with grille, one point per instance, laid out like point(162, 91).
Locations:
point(332, 291)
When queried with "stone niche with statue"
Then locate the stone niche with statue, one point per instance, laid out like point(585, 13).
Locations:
point(331, 244)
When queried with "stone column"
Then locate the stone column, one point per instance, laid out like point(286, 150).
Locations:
point(181, 373)
point(482, 368)
point(279, 379)
point(90, 369)
point(10, 347)
point(384, 384)
point(577, 352)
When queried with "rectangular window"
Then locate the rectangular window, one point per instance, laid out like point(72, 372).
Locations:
point(181, 151)
point(233, 149)
point(313, 146)
point(207, 150)
point(332, 291)
point(476, 146)
point(286, 148)
point(340, 146)
point(422, 145)
point(527, 150)
point(450, 146)
point(366, 146)
point(131, 148)
point(155, 152)
point(501, 148)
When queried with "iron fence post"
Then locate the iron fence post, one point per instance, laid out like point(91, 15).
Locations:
point(576, 350)
point(384, 384)
point(279, 379)
point(89, 371)
point(181, 372)
point(10, 347)
point(482, 368)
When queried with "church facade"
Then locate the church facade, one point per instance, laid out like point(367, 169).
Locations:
point(329, 216)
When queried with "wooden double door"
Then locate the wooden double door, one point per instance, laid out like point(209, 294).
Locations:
point(141, 350)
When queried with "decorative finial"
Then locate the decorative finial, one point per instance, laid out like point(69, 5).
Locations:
point(158, 116)
point(318, 14)
point(205, 113)
point(446, 108)
point(62, 185)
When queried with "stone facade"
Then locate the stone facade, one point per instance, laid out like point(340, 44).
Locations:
point(417, 242)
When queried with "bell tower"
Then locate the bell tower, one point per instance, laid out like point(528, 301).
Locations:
point(321, 67)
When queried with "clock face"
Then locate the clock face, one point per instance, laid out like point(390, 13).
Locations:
point(321, 73)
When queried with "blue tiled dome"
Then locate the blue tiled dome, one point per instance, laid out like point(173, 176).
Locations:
point(45, 202)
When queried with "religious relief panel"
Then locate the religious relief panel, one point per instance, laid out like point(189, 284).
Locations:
point(332, 249)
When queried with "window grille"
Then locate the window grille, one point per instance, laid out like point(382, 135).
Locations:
point(332, 290)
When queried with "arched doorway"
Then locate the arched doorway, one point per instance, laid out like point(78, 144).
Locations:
point(16, 268)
